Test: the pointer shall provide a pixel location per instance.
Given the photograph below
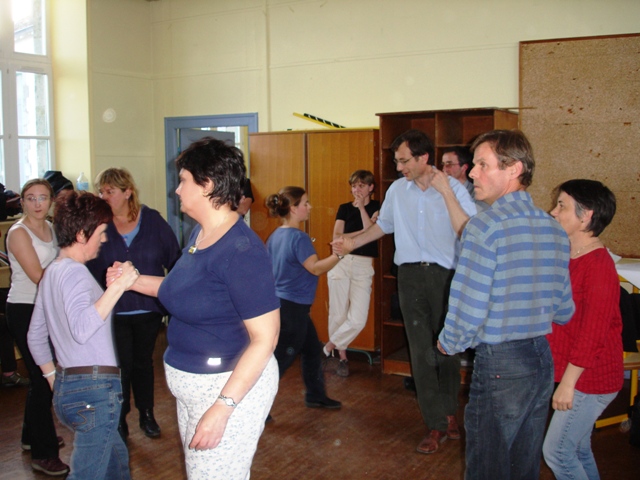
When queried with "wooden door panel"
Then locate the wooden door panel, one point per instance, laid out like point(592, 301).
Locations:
point(277, 160)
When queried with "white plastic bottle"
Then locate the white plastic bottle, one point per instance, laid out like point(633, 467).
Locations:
point(82, 184)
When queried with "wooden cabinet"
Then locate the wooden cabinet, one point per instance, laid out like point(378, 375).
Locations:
point(446, 128)
point(320, 161)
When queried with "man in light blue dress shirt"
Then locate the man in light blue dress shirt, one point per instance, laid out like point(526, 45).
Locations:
point(426, 210)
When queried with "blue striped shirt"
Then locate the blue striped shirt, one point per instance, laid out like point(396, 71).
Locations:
point(512, 279)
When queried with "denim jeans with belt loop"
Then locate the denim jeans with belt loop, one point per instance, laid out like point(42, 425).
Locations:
point(89, 405)
point(507, 411)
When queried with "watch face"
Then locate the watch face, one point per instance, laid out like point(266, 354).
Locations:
point(228, 401)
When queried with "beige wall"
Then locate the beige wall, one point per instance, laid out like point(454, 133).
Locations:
point(70, 87)
point(343, 60)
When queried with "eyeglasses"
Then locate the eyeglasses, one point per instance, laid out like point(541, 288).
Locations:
point(38, 199)
point(402, 161)
point(449, 164)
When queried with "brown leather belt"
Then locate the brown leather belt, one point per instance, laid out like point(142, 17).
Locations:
point(96, 369)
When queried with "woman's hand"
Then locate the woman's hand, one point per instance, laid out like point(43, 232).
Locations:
point(114, 272)
point(343, 245)
point(211, 427)
point(563, 397)
point(128, 275)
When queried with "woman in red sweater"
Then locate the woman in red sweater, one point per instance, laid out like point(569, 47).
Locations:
point(587, 351)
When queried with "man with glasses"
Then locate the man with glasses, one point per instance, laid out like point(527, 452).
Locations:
point(456, 163)
point(426, 210)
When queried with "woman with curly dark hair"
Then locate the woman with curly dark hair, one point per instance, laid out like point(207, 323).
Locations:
point(74, 312)
point(224, 319)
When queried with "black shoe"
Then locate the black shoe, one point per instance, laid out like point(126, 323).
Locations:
point(326, 403)
point(148, 424)
point(123, 429)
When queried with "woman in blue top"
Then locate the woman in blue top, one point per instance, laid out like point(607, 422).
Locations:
point(224, 319)
point(296, 268)
point(140, 235)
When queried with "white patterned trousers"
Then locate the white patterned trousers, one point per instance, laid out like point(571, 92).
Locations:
point(195, 393)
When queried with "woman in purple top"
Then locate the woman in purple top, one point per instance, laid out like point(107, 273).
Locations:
point(74, 312)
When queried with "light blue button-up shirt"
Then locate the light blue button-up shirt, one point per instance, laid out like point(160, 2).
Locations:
point(421, 224)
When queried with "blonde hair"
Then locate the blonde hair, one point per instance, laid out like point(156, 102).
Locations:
point(122, 179)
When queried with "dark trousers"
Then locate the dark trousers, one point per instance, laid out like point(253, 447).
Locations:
point(298, 336)
point(423, 291)
point(7, 354)
point(135, 338)
point(38, 429)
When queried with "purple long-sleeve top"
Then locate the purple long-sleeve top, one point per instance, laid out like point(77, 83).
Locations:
point(65, 312)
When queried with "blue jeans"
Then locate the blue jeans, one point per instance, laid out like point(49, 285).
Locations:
point(90, 406)
point(507, 411)
point(567, 446)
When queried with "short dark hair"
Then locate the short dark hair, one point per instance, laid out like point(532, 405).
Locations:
point(463, 153)
point(418, 142)
point(76, 213)
point(591, 195)
point(364, 176)
point(223, 164)
point(510, 146)
point(279, 204)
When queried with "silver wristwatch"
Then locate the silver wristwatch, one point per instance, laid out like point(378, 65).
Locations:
point(228, 401)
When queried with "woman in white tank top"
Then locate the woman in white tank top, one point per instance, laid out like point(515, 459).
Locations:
point(31, 246)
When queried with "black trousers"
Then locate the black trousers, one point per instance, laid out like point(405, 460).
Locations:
point(135, 339)
point(7, 354)
point(298, 336)
point(38, 429)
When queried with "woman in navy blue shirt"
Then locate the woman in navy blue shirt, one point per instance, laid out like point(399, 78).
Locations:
point(224, 319)
point(140, 235)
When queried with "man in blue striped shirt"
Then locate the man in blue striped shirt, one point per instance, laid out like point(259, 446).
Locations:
point(511, 282)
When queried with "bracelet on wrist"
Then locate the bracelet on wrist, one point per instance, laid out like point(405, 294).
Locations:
point(50, 374)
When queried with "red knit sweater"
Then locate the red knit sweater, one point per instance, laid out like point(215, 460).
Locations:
point(593, 337)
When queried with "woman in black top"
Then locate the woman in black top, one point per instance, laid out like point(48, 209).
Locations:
point(350, 280)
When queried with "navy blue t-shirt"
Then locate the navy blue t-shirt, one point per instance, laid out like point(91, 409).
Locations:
point(209, 293)
point(289, 248)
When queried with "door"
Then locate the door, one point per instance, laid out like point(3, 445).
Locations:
point(179, 132)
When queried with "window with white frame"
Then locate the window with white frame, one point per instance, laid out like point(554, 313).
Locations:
point(26, 127)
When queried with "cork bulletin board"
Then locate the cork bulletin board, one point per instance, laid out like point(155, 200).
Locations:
point(580, 108)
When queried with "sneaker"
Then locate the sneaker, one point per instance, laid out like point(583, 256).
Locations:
point(50, 466)
point(15, 380)
point(343, 368)
point(26, 446)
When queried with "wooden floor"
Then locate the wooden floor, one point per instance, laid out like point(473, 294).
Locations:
point(373, 437)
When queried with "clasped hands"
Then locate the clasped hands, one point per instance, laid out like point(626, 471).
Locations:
point(342, 245)
point(125, 273)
